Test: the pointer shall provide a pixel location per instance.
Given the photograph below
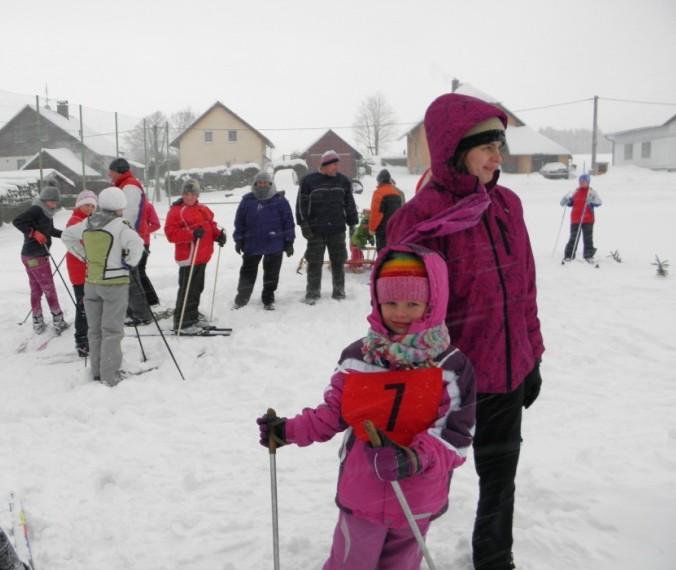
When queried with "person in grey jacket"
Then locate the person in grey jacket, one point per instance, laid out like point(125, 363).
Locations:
point(111, 248)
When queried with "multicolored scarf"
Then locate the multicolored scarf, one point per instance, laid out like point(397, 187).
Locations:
point(406, 351)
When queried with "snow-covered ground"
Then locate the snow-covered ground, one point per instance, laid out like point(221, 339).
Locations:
point(159, 473)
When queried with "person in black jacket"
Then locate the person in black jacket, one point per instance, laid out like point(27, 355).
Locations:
point(324, 206)
point(38, 229)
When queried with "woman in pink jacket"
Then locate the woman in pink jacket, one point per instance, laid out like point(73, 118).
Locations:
point(478, 226)
point(419, 392)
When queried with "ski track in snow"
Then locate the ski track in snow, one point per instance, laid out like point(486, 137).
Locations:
point(159, 473)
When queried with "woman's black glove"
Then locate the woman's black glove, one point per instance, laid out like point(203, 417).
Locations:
point(532, 385)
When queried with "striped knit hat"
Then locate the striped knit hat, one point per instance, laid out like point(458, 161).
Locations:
point(402, 277)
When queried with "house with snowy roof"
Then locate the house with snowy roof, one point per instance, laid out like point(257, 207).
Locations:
point(650, 147)
point(527, 150)
point(220, 137)
point(28, 131)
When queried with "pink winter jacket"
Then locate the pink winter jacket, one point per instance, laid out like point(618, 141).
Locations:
point(492, 310)
point(441, 447)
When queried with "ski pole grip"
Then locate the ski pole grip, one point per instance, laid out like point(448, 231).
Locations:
point(272, 442)
point(372, 432)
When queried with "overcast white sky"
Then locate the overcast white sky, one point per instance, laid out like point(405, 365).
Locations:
point(302, 63)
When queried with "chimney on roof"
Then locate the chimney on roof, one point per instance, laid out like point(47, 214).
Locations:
point(62, 108)
point(455, 84)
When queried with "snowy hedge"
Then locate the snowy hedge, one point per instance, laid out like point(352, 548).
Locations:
point(215, 177)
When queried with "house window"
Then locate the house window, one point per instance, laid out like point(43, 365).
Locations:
point(232, 136)
point(208, 136)
point(629, 151)
point(645, 150)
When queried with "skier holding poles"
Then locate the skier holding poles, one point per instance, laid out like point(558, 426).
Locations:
point(419, 392)
point(38, 228)
point(583, 201)
point(191, 227)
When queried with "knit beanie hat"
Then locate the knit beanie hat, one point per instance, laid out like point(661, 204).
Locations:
point(112, 199)
point(85, 197)
point(191, 185)
point(402, 277)
point(119, 165)
point(384, 177)
point(50, 193)
point(329, 157)
point(488, 131)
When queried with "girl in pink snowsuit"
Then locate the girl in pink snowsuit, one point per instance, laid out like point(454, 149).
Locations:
point(419, 392)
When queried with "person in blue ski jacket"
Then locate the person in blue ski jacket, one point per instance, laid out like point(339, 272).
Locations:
point(263, 230)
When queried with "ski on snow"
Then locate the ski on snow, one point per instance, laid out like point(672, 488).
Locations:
point(19, 532)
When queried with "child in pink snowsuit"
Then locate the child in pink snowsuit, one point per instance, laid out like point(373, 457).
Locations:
point(419, 392)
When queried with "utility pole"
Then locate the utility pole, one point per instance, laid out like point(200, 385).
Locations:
point(117, 145)
point(37, 108)
point(156, 190)
point(166, 170)
point(594, 134)
point(83, 148)
point(145, 154)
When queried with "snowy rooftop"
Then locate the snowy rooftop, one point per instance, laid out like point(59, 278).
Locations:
point(69, 159)
point(31, 176)
point(97, 142)
point(524, 140)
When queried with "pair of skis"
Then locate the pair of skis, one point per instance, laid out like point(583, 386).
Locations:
point(207, 331)
point(12, 554)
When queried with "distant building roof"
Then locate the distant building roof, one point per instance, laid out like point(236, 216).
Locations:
point(175, 142)
point(29, 176)
point(524, 140)
point(327, 133)
point(94, 141)
point(612, 136)
point(69, 159)
point(471, 91)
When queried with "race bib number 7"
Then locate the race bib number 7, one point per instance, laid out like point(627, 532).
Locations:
point(400, 403)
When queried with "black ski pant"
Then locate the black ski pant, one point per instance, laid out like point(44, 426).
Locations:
point(148, 289)
point(587, 238)
point(137, 307)
point(314, 255)
point(381, 238)
point(497, 442)
point(80, 317)
point(272, 263)
point(192, 301)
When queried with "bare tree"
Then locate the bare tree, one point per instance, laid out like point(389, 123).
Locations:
point(178, 122)
point(374, 125)
point(137, 140)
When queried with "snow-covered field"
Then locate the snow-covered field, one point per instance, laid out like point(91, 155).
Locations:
point(159, 473)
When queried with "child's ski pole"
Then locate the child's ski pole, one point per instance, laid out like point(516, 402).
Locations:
point(374, 438)
point(558, 235)
point(273, 493)
point(56, 268)
point(187, 288)
point(213, 295)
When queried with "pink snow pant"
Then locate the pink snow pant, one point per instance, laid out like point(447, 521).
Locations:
point(359, 544)
point(41, 281)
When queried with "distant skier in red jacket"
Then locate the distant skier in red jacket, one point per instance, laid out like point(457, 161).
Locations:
point(191, 226)
point(583, 201)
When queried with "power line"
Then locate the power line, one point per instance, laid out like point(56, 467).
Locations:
point(636, 101)
point(554, 105)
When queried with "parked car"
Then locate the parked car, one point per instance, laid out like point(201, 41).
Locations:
point(555, 170)
point(357, 186)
